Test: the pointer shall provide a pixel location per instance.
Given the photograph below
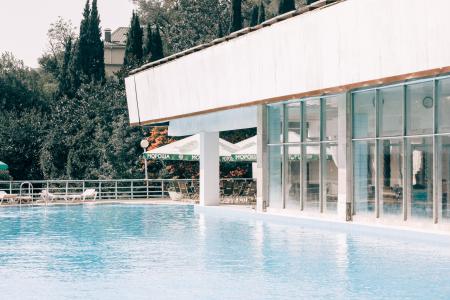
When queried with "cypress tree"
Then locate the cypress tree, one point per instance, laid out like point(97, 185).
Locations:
point(220, 32)
point(83, 47)
point(75, 72)
point(97, 58)
point(157, 47)
point(236, 15)
point(64, 80)
point(148, 43)
point(286, 6)
point(261, 13)
point(254, 16)
point(133, 49)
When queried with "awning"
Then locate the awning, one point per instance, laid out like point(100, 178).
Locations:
point(188, 149)
point(3, 166)
point(248, 150)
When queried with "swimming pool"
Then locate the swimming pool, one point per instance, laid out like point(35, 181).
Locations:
point(178, 252)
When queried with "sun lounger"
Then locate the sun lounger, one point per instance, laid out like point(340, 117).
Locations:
point(89, 193)
point(8, 198)
point(46, 196)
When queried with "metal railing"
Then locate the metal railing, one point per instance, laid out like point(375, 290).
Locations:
point(121, 189)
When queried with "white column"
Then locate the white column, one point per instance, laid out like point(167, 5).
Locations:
point(262, 159)
point(209, 169)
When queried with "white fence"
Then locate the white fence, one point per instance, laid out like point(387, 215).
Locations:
point(123, 189)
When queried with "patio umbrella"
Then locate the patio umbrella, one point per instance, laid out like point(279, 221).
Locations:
point(3, 166)
point(188, 149)
point(248, 151)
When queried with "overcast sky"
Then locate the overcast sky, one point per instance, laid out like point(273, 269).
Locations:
point(24, 23)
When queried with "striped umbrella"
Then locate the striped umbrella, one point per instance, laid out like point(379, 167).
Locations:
point(3, 166)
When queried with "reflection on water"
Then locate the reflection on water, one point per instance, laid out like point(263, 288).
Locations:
point(172, 252)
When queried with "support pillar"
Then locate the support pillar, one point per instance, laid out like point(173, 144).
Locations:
point(209, 169)
point(262, 184)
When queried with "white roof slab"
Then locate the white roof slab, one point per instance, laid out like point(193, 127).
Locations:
point(334, 48)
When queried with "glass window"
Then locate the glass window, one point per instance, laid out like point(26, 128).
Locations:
point(275, 176)
point(312, 124)
point(331, 118)
point(421, 176)
point(391, 177)
point(391, 111)
point(292, 184)
point(275, 123)
point(330, 177)
point(444, 106)
point(293, 122)
point(312, 177)
point(445, 183)
point(364, 114)
point(419, 108)
point(364, 176)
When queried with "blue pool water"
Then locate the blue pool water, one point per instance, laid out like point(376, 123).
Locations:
point(176, 252)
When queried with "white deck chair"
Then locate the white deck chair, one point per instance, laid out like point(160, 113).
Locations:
point(89, 193)
point(3, 198)
point(46, 196)
point(2, 195)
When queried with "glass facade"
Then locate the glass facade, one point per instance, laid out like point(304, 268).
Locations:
point(401, 151)
point(398, 151)
point(391, 177)
point(275, 176)
point(364, 174)
point(306, 169)
point(292, 185)
point(420, 177)
point(444, 162)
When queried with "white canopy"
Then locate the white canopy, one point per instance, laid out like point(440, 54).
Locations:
point(189, 149)
point(248, 150)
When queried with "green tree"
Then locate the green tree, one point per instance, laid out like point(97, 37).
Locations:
point(236, 15)
point(308, 2)
point(20, 87)
point(286, 6)
point(64, 78)
point(157, 51)
point(220, 32)
point(22, 134)
point(89, 63)
point(59, 33)
point(24, 106)
point(185, 23)
point(261, 13)
point(133, 50)
point(83, 51)
point(254, 15)
point(97, 53)
point(148, 43)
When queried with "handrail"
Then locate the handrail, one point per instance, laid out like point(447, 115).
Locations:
point(115, 189)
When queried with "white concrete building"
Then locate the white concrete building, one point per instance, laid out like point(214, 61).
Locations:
point(351, 100)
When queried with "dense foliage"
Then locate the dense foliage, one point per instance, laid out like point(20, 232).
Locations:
point(286, 6)
point(66, 120)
